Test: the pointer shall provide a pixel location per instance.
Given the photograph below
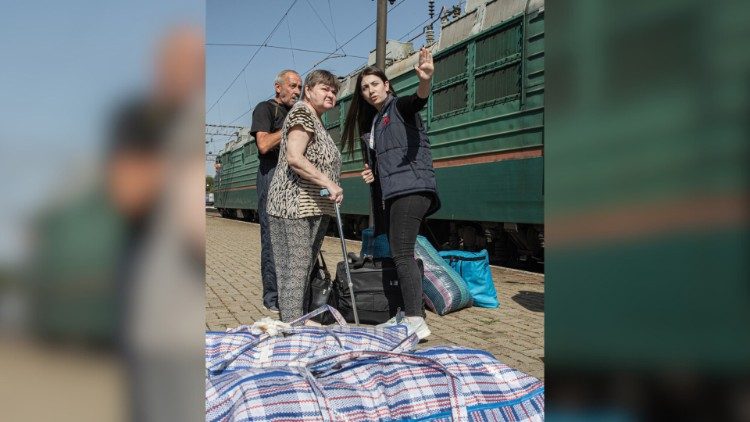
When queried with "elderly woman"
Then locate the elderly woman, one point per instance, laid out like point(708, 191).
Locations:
point(308, 161)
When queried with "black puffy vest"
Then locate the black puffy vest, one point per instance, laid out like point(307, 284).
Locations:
point(403, 156)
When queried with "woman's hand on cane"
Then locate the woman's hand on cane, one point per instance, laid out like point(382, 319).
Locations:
point(335, 193)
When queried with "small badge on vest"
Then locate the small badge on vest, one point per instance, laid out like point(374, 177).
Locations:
point(386, 120)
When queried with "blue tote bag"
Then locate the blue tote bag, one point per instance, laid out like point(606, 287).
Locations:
point(474, 268)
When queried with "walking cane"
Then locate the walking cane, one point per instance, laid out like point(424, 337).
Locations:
point(325, 192)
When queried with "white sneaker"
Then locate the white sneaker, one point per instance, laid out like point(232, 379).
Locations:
point(413, 325)
point(417, 324)
point(390, 323)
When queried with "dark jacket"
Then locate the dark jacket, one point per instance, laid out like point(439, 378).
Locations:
point(402, 159)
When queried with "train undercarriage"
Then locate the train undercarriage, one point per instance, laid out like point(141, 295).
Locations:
point(514, 245)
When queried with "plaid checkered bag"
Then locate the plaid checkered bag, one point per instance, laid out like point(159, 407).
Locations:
point(439, 384)
point(298, 344)
point(492, 390)
point(444, 290)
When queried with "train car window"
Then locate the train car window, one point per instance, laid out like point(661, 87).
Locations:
point(498, 83)
point(450, 66)
point(450, 87)
point(497, 75)
point(499, 46)
point(450, 99)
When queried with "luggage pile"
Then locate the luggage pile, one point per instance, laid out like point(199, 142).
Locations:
point(339, 372)
point(375, 284)
point(451, 280)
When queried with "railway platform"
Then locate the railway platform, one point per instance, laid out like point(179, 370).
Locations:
point(513, 333)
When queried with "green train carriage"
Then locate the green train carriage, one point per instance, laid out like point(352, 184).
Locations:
point(485, 120)
point(234, 184)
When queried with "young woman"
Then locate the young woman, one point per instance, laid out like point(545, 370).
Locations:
point(398, 167)
point(298, 216)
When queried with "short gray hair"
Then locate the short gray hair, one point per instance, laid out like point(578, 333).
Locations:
point(280, 77)
point(320, 77)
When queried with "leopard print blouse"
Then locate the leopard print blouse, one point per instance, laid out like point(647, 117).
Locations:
point(291, 196)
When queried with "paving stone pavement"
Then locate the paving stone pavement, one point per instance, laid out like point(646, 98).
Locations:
point(513, 333)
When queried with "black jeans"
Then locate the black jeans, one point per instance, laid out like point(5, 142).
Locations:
point(266, 170)
point(403, 217)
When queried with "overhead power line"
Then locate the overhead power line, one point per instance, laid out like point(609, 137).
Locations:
point(324, 24)
point(221, 130)
point(242, 115)
point(279, 47)
point(331, 54)
point(291, 47)
point(413, 29)
point(333, 24)
point(252, 57)
point(352, 38)
point(220, 134)
point(224, 126)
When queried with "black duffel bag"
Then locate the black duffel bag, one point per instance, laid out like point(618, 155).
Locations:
point(319, 291)
point(376, 289)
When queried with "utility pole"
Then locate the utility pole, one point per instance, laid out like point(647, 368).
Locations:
point(380, 34)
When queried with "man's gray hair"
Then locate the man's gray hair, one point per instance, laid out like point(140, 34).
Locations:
point(280, 77)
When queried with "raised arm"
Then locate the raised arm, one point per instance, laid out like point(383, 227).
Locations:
point(424, 70)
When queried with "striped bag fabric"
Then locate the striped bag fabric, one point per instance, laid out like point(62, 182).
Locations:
point(239, 348)
point(437, 384)
point(492, 390)
point(443, 288)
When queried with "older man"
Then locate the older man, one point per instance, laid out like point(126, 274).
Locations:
point(268, 119)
